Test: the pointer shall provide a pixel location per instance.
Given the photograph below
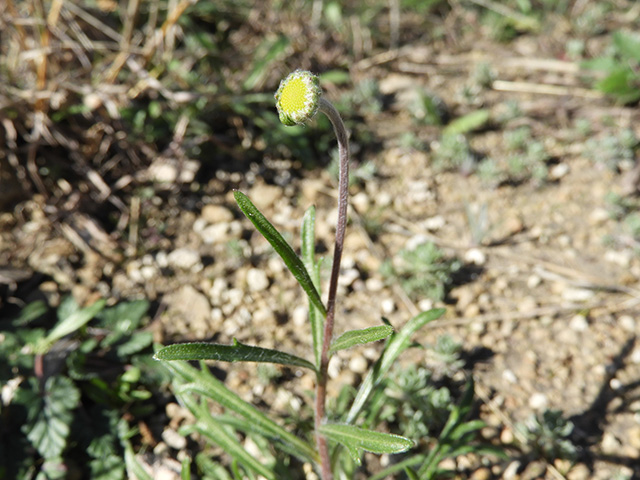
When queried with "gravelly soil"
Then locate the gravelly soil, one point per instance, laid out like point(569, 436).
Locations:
point(550, 303)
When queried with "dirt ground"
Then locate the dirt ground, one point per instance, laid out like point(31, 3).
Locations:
point(547, 301)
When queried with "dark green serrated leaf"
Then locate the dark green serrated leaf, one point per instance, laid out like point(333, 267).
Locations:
point(359, 337)
point(282, 248)
point(398, 343)
point(49, 428)
point(356, 439)
point(237, 352)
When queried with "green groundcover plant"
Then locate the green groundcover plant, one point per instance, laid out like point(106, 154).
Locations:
point(335, 449)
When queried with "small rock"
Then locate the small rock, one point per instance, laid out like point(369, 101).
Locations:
point(335, 365)
point(360, 202)
point(434, 223)
point(627, 323)
point(538, 401)
point(300, 315)
point(174, 439)
point(425, 304)
point(622, 258)
point(509, 376)
point(216, 214)
point(506, 436)
point(533, 281)
point(577, 294)
point(579, 472)
point(215, 234)
point(511, 472)
point(257, 280)
point(475, 256)
point(481, 474)
point(184, 258)
point(610, 444)
point(374, 284)
point(264, 196)
point(558, 171)
point(358, 364)
point(579, 323)
point(599, 216)
point(388, 306)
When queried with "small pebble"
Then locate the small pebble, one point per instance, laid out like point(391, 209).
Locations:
point(538, 401)
point(216, 214)
point(533, 281)
point(577, 294)
point(257, 280)
point(358, 364)
point(509, 376)
point(579, 323)
point(475, 256)
point(174, 439)
point(335, 364)
point(184, 258)
point(627, 323)
point(388, 306)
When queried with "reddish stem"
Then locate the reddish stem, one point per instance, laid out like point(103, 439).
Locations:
point(343, 193)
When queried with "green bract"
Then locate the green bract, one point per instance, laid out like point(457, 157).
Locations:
point(297, 98)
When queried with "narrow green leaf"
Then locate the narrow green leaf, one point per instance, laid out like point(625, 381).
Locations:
point(280, 245)
point(467, 123)
point(411, 475)
point(69, 324)
point(398, 343)
point(357, 439)
point(237, 352)
point(208, 426)
point(358, 337)
point(203, 383)
point(309, 259)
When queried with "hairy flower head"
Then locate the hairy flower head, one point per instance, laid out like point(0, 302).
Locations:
point(298, 97)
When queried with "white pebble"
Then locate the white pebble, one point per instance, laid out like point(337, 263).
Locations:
point(509, 376)
point(533, 281)
point(358, 364)
point(538, 401)
point(475, 256)
point(300, 315)
point(174, 439)
point(388, 306)
point(579, 323)
point(334, 367)
point(185, 258)
point(627, 323)
point(257, 280)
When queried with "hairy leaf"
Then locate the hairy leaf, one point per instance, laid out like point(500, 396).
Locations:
point(280, 245)
point(357, 439)
point(358, 337)
point(237, 352)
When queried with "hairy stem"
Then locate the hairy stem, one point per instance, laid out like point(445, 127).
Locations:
point(343, 192)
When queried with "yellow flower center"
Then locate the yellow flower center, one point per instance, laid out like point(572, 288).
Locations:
point(294, 96)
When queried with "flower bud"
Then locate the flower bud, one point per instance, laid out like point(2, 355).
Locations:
point(298, 97)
